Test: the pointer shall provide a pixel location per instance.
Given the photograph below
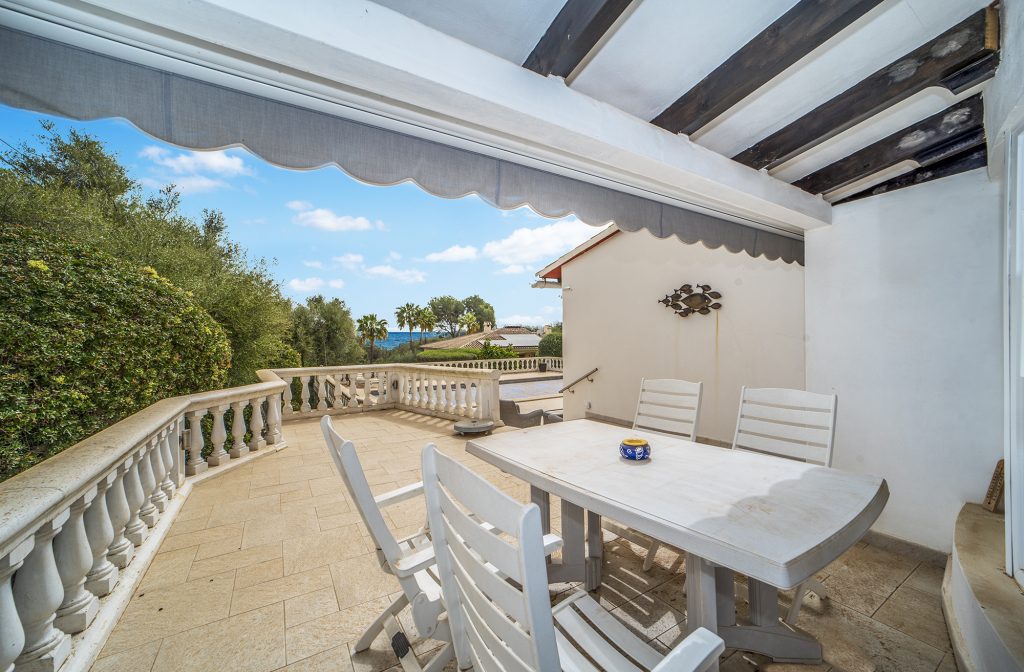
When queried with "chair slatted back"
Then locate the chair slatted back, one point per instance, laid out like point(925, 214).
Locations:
point(344, 455)
point(669, 406)
point(494, 581)
point(789, 423)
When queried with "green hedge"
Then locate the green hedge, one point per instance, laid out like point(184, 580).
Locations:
point(86, 340)
point(551, 345)
point(447, 355)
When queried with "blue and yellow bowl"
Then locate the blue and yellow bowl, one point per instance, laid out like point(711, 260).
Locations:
point(635, 449)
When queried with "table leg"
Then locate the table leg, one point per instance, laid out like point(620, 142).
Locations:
point(767, 634)
point(574, 547)
point(543, 500)
point(701, 596)
point(595, 551)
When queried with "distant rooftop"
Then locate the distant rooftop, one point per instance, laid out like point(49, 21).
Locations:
point(520, 338)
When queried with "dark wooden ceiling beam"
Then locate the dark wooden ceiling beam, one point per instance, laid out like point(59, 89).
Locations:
point(955, 129)
point(579, 26)
point(792, 36)
point(958, 59)
point(961, 163)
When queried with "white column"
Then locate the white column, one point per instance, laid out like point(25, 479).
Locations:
point(257, 442)
point(136, 530)
point(74, 559)
point(168, 450)
point(274, 435)
point(147, 512)
point(353, 388)
point(37, 594)
point(321, 393)
point(121, 549)
point(288, 410)
point(442, 394)
point(156, 462)
point(12, 635)
point(196, 464)
point(305, 408)
point(103, 574)
point(218, 436)
point(238, 447)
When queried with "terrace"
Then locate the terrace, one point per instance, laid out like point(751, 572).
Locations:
point(850, 174)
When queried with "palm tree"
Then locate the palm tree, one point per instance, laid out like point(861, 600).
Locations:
point(407, 316)
point(426, 320)
point(372, 329)
point(468, 321)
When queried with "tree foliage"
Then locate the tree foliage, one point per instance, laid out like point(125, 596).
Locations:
point(491, 351)
point(324, 334)
point(86, 340)
point(551, 345)
point(480, 309)
point(426, 321)
point(469, 323)
point(372, 329)
point(406, 316)
point(447, 309)
point(73, 188)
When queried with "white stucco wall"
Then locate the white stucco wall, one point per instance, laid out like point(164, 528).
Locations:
point(613, 321)
point(904, 320)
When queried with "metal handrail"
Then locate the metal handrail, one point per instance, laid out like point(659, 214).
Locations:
point(585, 376)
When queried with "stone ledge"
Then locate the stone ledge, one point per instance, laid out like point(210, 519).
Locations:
point(983, 605)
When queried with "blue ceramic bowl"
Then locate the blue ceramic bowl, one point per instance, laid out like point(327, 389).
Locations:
point(635, 449)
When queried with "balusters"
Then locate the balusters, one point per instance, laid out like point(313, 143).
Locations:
point(238, 447)
point(288, 410)
point(475, 414)
point(121, 549)
point(353, 388)
point(156, 460)
point(136, 530)
point(442, 394)
point(74, 559)
point(461, 399)
point(147, 511)
point(168, 452)
point(431, 392)
point(257, 442)
point(218, 437)
point(37, 594)
point(12, 635)
point(321, 392)
point(274, 418)
point(305, 408)
point(99, 529)
point(196, 464)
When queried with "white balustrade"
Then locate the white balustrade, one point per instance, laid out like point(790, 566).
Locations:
point(218, 436)
point(256, 441)
point(74, 560)
point(170, 449)
point(12, 634)
point(147, 510)
point(156, 463)
point(274, 436)
point(196, 464)
point(99, 529)
point(38, 593)
point(121, 549)
point(304, 408)
point(238, 445)
point(288, 410)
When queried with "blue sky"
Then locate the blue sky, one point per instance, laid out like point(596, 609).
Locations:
point(324, 232)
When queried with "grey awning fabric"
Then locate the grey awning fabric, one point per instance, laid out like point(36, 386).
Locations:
point(56, 78)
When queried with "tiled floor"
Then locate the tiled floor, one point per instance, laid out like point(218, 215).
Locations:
point(268, 568)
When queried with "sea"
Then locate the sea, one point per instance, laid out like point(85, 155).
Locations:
point(396, 338)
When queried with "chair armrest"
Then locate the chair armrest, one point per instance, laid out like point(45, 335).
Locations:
point(410, 491)
point(552, 542)
point(694, 654)
point(414, 562)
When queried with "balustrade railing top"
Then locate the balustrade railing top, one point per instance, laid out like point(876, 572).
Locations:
point(507, 364)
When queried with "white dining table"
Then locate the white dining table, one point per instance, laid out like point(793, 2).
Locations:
point(777, 521)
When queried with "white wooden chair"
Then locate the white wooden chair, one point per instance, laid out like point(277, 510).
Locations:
point(794, 424)
point(672, 407)
point(410, 560)
point(497, 590)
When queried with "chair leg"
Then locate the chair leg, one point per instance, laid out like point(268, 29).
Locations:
point(401, 645)
point(808, 586)
point(375, 628)
point(652, 550)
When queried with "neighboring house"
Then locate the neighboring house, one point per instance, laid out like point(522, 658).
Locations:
point(525, 341)
point(612, 319)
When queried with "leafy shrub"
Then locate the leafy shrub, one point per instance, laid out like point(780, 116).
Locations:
point(551, 345)
point(490, 351)
point(447, 355)
point(86, 340)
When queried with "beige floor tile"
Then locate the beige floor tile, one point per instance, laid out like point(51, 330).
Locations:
point(298, 610)
point(139, 659)
point(306, 472)
point(948, 664)
point(238, 559)
point(322, 548)
point(864, 577)
point(283, 489)
point(340, 520)
point(326, 632)
point(326, 486)
point(255, 507)
point(259, 573)
point(184, 526)
point(359, 579)
point(279, 526)
point(918, 614)
point(927, 578)
point(250, 642)
point(279, 590)
point(166, 611)
point(332, 660)
point(214, 493)
point(191, 510)
point(171, 567)
point(223, 533)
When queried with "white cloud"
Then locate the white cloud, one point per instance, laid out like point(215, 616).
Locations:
point(523, 320)
point(327, 220)
point(407, 276)
point(454, 253)
point(194, 184)
point(299, 205)
point(337, 283)
point(394, 256)
point(307, 285)
point(549, 310)
point(543, 243)
point(349, 261)
point(514, 269)
point(218, 162)
point(313, 264)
